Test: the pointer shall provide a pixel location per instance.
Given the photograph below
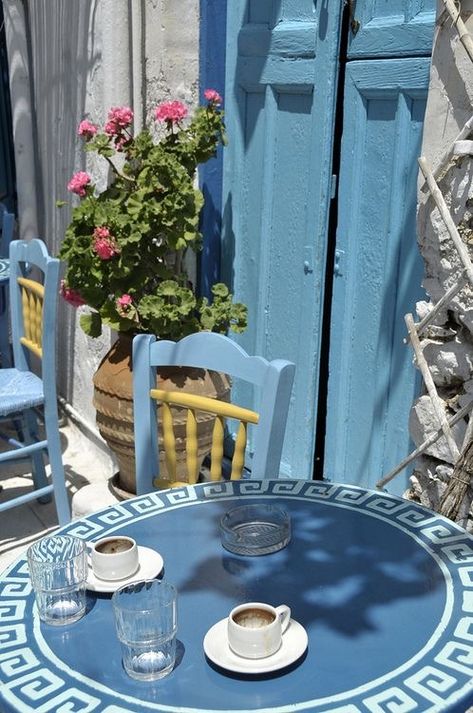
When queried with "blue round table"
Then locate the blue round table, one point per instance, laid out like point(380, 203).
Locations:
point(383, 587)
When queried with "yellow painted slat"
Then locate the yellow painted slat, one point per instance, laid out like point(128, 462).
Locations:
point(191, 447)
point(216, 454)
point(204, 403)
point(36, 318)
point(32, 286)
point(221, 410)
point(32, 294)
point(37, 351)
point(169, 442)
point(25, 308)
point(238, 460)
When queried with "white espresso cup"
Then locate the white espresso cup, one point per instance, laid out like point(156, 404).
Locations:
point(114, 557)
point(255, 630)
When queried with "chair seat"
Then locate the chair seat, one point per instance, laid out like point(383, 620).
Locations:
point(19, 390)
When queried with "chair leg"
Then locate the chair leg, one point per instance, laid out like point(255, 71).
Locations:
point(19, 429)
point(39, 472)
point(61, 498)
point(5, 349)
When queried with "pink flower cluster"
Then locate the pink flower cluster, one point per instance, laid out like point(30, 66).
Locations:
point(213, 96)
point(119, 118)
point(71, 296)
point(124, 304)
point(87, 129)
point(79, 183)
point(105, 244)
point(173, 112)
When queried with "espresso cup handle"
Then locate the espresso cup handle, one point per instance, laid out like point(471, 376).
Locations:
point(284, 614)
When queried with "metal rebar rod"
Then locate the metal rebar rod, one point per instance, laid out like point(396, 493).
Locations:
point(423, 446)
point(449, 295)
point(437, 402)
point(465, 38)
point(445, 157)
point(447, 218)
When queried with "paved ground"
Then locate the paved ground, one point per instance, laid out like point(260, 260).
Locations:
point(22, 525)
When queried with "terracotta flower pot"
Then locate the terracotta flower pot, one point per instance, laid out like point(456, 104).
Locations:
point(113, 400)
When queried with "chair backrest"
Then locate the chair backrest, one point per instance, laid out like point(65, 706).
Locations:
point(215, 352)
point(33, 305)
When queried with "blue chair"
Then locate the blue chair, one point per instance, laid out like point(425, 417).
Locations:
point(33, 317)
point(8, 224)
point(207, 350)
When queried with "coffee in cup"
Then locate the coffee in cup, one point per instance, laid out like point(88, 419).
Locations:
point(113, 545)
point(114, 557)
point(255, 630)
point(254, 618)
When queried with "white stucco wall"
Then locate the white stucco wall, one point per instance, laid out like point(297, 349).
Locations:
point(448, 345)
point(449, 102)
point(85, 57)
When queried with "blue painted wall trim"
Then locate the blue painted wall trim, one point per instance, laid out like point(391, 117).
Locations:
point(213, 14)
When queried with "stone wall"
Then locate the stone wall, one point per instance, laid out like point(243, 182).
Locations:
point(70, 60)
point(448, 342)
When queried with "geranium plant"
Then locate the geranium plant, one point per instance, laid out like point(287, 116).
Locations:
point(125, 247)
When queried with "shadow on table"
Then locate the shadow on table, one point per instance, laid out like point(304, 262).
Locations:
point(339, 559)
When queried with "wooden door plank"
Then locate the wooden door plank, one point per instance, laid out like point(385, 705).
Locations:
point(281, 82)
point(372, 382)
point(392, 29)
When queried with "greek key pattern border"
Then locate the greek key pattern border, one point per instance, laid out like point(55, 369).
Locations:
point(30, 681)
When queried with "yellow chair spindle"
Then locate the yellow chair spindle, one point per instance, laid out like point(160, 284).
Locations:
point(216, 454)
point(26, 313)
point(32, 294)
point(238, 460)
point(33, 315)
point(38, 337)
point(34, 318)
point(191, 448)
point(169, 441)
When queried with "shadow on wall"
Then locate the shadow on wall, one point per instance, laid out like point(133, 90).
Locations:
point(266, 12)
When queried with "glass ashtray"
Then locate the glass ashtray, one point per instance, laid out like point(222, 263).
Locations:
point(255, 529)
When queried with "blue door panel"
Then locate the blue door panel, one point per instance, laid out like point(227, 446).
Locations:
point(372, 381)
point(281, 83)
point(392, 28)
point(7, 158)
point(280, 105)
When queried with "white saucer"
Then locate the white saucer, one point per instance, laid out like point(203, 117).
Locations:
point(151, 564)
point(294, 643)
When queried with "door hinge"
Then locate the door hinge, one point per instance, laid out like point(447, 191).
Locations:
point(337, 268)
point(354, 23)
point(333, 187)
point(309, 260)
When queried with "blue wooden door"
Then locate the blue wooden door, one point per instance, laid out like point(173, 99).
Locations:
point(282, 73)
point(282, 63)
point(7, 159)
point(378, 270)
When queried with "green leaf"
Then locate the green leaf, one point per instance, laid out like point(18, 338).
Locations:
point(91, 324)
point(220, 290)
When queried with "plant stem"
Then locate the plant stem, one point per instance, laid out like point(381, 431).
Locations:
point(117, 172)
point(178, 263)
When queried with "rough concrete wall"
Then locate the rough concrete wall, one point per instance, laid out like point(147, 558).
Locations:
point(448, 344)
point(83, 58)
